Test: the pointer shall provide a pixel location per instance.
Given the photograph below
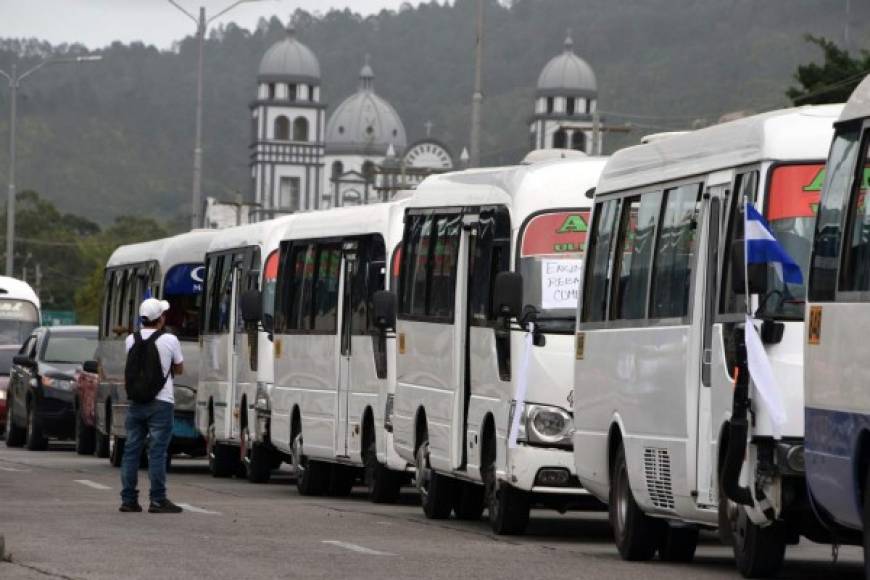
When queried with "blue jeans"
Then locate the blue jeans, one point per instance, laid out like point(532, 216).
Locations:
point(154, 419)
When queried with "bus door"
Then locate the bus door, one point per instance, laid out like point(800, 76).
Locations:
point(235, 333)
point(709, 255)
point(462, 273)
point(349, 266)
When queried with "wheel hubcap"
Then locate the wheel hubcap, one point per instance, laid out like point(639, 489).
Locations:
point(622, 503)
point(298, 462)
point(423, 473)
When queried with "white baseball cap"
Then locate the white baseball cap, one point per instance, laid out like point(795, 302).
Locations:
point(152, 308)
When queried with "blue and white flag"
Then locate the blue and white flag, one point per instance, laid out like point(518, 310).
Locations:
point(762, 248)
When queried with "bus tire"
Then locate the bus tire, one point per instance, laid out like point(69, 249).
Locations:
point(101, 449)
point(341, 480)
point(312, 477)
point(36, 441)
point(634, 532)
point(15, 436)
point(866, 521)
point(384, 484)
point(436, 490)
point(258, 467)
point(85, 442)
point(509, 509)
point(678, 544)
point(116, 450)
point(468, 501)
point(758, 552)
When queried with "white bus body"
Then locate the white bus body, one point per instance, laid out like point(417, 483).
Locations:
point(460, 363)
point(20, 310)
point(333, 365)
point(656, 346)
point(836, 370)
point(170, 269)
point(236, 360)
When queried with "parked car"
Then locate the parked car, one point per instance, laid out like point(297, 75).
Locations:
point(40, 396)
point(6, 354)
point(85, 383)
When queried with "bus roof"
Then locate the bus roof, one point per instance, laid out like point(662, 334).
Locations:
point(187, 248)
point(558, 183)
point(15, 289)
point(345, 221)
point(257, 234)
point(858, 106)
point(797, 134)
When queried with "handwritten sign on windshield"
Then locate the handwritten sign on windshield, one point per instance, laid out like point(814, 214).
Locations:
point(560, 283)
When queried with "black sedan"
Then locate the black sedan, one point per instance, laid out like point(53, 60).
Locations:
point(40, 398)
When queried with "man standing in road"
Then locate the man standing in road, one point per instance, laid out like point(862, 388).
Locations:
point(153, 358)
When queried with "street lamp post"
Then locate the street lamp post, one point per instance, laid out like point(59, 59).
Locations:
point(14, 79)
point(201, 26)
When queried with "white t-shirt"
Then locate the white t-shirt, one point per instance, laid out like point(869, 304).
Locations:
point(170, 353)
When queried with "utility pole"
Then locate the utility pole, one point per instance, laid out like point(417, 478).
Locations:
point(201, 26)
point(14, 80)
point(477, 99)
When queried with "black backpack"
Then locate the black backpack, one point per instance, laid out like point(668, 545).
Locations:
point(143, 373)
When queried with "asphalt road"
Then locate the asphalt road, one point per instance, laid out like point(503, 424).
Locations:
point(58, 513)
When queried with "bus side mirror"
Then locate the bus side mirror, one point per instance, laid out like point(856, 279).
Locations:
point(91, 366)
point(251, 305)
point(384, 303)
point(757, 272)
point(507, 295)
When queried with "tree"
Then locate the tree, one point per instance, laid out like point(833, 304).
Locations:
point(831, 82)
point(96, 250)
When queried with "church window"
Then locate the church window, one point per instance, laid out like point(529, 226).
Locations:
point(291, 92)
point(551, 104)
point(282, 128)
point(570, 105)
point(271, 90)
point(368, 171)
point(300, 129)
point(337, 169)
point(288, 194)
point(578, 141)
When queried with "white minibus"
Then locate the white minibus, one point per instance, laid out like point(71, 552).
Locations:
point(836, 368)
point(19, 311)
point(663, 431)
point(333, 355)
point(236, 364)
point(170, 269)
point(483, 407)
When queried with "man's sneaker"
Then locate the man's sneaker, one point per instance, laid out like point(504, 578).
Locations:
point(164, 507)
point(130, 507)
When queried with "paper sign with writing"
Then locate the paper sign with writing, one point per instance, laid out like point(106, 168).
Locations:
point(560, 283)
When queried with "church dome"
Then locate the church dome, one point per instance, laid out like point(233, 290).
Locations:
point(364, 123)
point(289, 60)
point(567, 75)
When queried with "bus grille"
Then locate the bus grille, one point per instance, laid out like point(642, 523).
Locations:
point(657, 469)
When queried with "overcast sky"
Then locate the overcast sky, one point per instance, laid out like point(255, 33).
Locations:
point(96, 23)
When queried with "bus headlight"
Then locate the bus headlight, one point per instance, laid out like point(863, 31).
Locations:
point(545, 425)
point(262, 398)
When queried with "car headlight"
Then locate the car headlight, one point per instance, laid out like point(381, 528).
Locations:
point(57, 383)
point(545, 425)
point(262, 398)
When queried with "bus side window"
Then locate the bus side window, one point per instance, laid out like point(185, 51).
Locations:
point(855, 268)
point(826, 247)
point(442, 286)
point(489, 256)
point(415, 269)
point(596, 281)
point(634, 255)
point(108, 295)
point(325, 316)
point(745, 188)
point(672, 274)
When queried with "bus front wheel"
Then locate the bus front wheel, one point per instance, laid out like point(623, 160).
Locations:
point(436, 490)
point(634, 532)
point(758, 552)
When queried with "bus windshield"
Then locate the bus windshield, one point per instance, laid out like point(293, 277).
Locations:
point(183, 290)
point(792, 203)
point(270, 283)
point(18, 318)
point(551, 259)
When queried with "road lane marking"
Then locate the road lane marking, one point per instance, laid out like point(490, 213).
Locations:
point(356, 548)
point(197, 510)
point(92, 484)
